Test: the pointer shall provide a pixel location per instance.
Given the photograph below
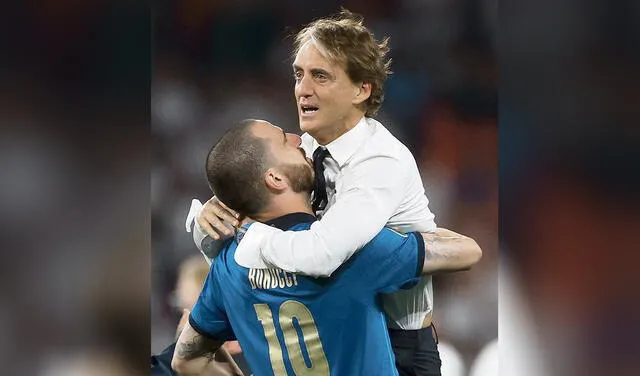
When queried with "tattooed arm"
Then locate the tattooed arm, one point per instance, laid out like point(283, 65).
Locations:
point(194, 352)
point(448, 251)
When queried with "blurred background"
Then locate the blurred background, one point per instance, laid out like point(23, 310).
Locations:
point(569, 187)
point(216, 62)
point(74, 188)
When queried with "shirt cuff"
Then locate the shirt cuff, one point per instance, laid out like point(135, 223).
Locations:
point(209, 247)
point(249, 251)
point(204, 333)
point(194, 211)
point(421, 253)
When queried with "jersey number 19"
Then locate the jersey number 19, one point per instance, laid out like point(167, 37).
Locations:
point(288, 311)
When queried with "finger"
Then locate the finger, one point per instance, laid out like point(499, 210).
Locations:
point(221, 210)
point(224, 215)
point(215, 207)
point(234, 213)
point(216, 222)
point(206, 227)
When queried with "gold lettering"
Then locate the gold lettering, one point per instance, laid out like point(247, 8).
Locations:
point(252, 275)
point(271, 278)
point(280, 279)
point(267, 279)
point(310, 336)
point(259, 279)
point(288, 311)
point(287, 279)
point(275, 350)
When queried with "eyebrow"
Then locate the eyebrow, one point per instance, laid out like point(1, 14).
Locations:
point(313, 70)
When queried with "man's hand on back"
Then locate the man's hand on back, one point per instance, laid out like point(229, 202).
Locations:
point(213, 216)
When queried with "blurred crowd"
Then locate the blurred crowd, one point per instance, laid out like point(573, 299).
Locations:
point(218, 62)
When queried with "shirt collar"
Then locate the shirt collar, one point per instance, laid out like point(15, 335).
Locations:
point(288, 220)
point(345, 146)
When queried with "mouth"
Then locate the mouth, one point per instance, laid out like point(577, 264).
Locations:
point(308, 109)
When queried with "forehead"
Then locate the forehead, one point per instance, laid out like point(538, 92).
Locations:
point(310, 56)
point(264, 129)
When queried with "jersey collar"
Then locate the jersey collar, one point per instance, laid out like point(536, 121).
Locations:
point(288, 220)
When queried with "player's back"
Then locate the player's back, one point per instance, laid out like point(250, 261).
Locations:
point(290, 324)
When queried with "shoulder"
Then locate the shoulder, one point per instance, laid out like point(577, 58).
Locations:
point(387, 237)
point(381, 153)
point(386, 244)
point(383, 143)
point(389, 241)
point(226, 257)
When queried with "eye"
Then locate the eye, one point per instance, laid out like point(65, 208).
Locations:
point(297, 75)
point(320, 76)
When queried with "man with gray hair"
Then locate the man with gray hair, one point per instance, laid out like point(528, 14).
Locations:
point(365, 179)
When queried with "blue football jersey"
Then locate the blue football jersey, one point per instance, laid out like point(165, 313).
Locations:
point(290, 324)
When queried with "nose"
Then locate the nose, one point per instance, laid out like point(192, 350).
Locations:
point(294, 140)
point(304, 87)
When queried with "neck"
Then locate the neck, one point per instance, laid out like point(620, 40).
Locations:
point(286, 203)
point(327, 136)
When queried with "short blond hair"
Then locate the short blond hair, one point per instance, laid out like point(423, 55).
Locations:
point(344, 40)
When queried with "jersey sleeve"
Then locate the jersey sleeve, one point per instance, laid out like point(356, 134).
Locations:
point(392, 261)
point(208, 316)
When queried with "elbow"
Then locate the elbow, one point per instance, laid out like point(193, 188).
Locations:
point(470, 256)
point(318, 266)
point(474, 252)
point(177, 365)
point(180, 366)
point(318, 271)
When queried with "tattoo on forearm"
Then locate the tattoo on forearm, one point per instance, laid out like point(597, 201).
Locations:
point(200, 346)
point(448, 251)
point(438, 246)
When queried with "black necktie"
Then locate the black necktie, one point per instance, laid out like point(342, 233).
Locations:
point(320, 199)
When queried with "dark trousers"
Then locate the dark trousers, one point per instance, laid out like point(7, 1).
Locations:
point(161, 363)
point(416, 351)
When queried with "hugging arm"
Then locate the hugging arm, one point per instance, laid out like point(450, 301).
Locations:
point(448, 251)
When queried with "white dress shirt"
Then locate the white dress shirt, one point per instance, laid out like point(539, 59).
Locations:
point(372, 181)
